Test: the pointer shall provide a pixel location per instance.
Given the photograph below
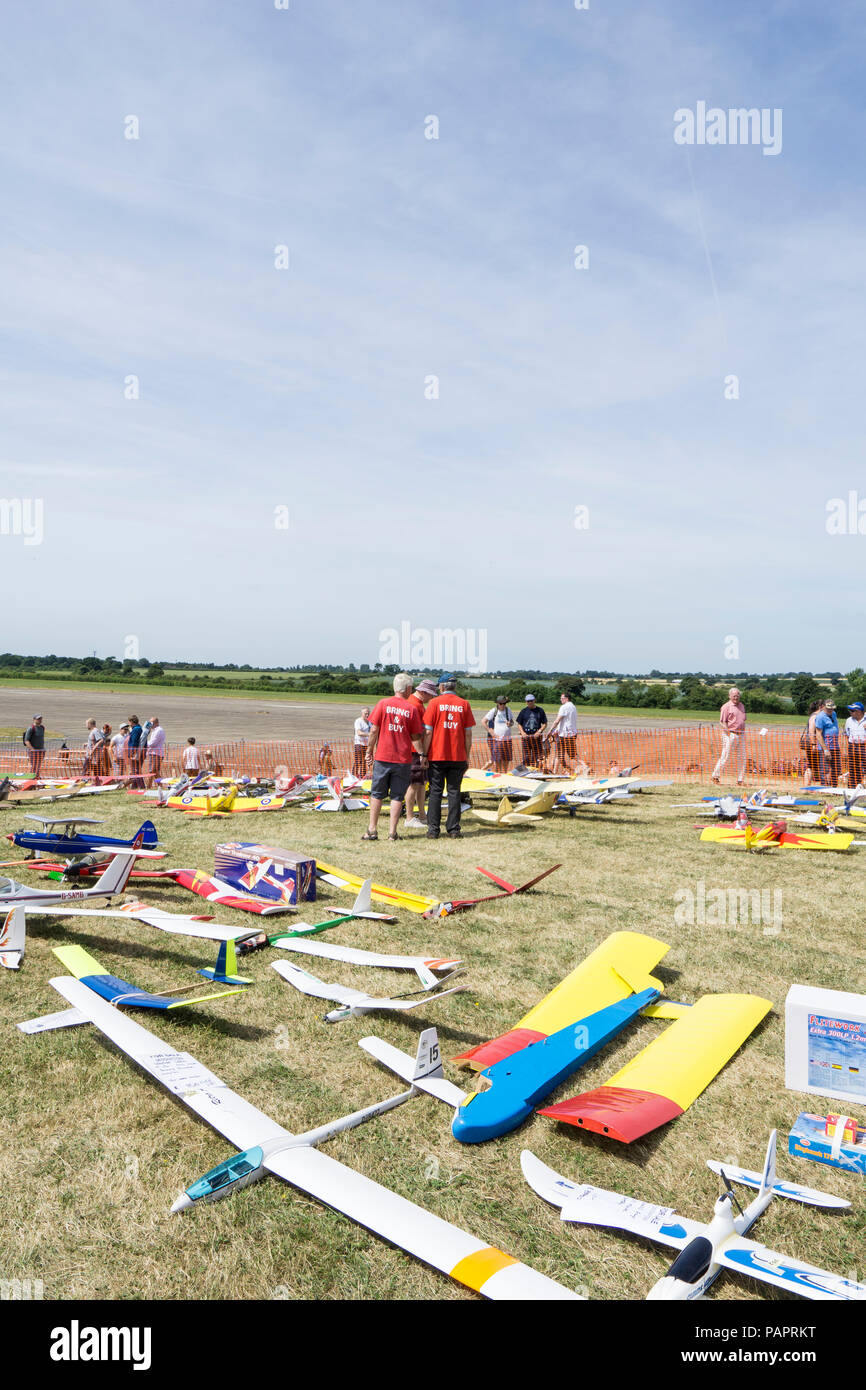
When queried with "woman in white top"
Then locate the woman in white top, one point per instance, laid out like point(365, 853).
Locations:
point(362, 734)
point(118, 749)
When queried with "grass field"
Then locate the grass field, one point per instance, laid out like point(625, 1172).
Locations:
point(95, 1153)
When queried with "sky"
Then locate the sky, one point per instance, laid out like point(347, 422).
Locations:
point(431, 418)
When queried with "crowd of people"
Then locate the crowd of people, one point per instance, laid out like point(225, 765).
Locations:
point(135, 751)
point(825, 761)
point(423, 734)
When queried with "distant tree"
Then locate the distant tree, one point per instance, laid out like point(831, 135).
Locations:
point(804, 689)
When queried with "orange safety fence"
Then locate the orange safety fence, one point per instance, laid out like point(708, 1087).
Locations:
point(677, 753)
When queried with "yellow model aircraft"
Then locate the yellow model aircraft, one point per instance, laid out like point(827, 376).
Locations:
point(776, 835)
point(525, 813)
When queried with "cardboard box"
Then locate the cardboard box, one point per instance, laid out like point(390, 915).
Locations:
point(809, 1140)
point(825, 1043)
point(250, 866)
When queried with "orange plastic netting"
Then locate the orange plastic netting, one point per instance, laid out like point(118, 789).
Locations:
point(681, 754)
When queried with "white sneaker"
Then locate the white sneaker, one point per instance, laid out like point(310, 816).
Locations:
point(415, 824)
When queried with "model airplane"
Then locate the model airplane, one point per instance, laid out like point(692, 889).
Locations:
point(354, 1003)
point(524, 813)
point(424, 966)
point(588, 1008)
point(776, 835)
point(705, 1249)
point(269, 1148)
point(112, 882)
point(70, 840)
point(336, 800)
point(359, 909)
point(217, 890)
point(663, 1080)
point(118, 992)
point(13, 938)
point(507, 890)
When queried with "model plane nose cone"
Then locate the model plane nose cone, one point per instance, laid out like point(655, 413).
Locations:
point(182, 1203)
point(667, 1289)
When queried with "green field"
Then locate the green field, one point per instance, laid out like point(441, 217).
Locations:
point(95, 1152)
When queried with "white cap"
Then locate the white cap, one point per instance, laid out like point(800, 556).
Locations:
point(530, 697)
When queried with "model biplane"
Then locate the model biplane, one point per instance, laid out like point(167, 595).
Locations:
point(64, 835)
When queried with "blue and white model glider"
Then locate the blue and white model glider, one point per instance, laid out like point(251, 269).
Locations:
point(704, 1250)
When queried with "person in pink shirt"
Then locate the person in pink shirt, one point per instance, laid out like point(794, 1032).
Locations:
point(732, 721)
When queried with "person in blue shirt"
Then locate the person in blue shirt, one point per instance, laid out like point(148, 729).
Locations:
point(827, 736)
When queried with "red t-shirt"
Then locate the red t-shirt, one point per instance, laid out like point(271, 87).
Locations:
point(449, 716)
point(398, 722)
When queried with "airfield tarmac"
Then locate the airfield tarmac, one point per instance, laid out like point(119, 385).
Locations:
point(220, 718)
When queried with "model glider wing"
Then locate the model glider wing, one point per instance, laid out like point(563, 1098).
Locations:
point(426, 1236)
point(620, 966)
point(468, 1260)
point(310, 984)
point(424, 966)
point(747, 1257)
point(199, 1089)
point(595, 1206)
point(663, 1080)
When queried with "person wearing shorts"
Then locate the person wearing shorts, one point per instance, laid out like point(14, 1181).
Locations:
point(500, 721)
point(396, 728)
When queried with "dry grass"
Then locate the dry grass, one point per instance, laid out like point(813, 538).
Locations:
point(94, 1153)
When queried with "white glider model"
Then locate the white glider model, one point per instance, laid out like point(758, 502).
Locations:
point(354, 1003)
point(269, 1148)
point(112, 882)
point(705, 1249)
point(424, 966)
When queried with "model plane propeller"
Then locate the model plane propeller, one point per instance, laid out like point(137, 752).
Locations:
point(704, 1249)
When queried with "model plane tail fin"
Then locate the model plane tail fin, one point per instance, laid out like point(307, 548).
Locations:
point(12, 938)
point(428, 1059)
point(364, 901)
point(115, 878)
point(423, 1072)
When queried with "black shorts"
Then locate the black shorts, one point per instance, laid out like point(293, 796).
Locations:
point(390, 778)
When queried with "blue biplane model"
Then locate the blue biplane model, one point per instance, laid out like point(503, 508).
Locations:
point(69, 840)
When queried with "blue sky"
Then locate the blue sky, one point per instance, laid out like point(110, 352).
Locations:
point(411, 257)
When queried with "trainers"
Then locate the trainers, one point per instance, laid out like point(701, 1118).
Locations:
point(432, 834)
point(455, 834)
point(415, 824)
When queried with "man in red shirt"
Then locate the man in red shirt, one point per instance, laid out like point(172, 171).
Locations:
point(448, 724)
point(396, 728)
